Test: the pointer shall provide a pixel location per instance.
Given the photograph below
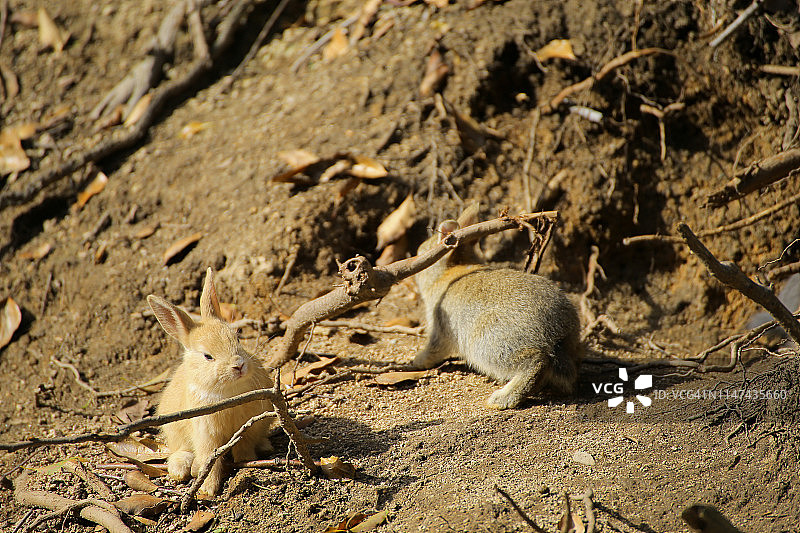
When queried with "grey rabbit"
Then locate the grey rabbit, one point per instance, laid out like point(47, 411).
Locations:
point(509, 325)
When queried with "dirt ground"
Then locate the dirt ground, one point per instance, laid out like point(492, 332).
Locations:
point(427, 452)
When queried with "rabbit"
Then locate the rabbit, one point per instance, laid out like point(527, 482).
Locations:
point(215, 366)
point(507, 324)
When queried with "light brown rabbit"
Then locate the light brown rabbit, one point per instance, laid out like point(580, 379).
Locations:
point(507, 324)
point(215, 366)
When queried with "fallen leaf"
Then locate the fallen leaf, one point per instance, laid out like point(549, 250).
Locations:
point(138, 110)
point(50, 35)
point(12, 156)
point(393, 252)
point(146, 230)
point(337, 46)
point(571, 523)
point(401, 321)
point(435, 71)
point(155, 384)
point(371, 522)
point(142, 505)
point(111, 119)
point(335, 169)
point(192, 128)
point(347, 186)
point(199, 521)
point(397, 223)
point(53, 468)
point(299, 158)
point(40, 252)
point(303, 372)
point(10, 319)
point(348, 523)
point(95, 187)
point(140, 450)
point(139, 481)
point(10, 81)
point(335, 468)
point(26, 17)
point(437, 3)
point(180, 246)
point(101, 254)
point(367, 168)
point(583, 458)
point(393, 378)
point(132, 412)
point(557, 48)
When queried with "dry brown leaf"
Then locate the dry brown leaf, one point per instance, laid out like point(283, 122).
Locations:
point(133, 411)
point(10, 81)
point(180, 246)
point(155, 384)
point(200, 520)
point(335, 468)
point(393, 252)
point(437, 3)
point(192, 128)
point(138, 110)
point(337, 46)
point(435, 71)
point(557, 48)
point(371, 522)
point(367, 168)
point(346, 525)
point(142, 505)
point(393, 378)
point(50, 35)
point(140, 450)
point(335, 169)
point(111, 119)
point(40, 252)
point(574, 523)
point(95, 187)
point(12, 156)
point(139, 481)
point(10, 319)
point(298, 159)
point(347, 186)
point(146, 230)
point(26, 17)
point(303, 372)
point(401, 321)
point(397, 223)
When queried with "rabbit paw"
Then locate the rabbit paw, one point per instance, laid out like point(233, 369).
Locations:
point(179, 465)
point(503, 399)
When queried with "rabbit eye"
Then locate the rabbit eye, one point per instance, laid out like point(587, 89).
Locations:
point(208, 356)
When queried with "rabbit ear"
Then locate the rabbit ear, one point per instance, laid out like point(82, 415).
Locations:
point(447, 227)
point(469, 215)
point(209, 302)
point(172, 318)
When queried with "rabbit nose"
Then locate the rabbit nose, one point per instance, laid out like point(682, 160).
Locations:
point(239, 366)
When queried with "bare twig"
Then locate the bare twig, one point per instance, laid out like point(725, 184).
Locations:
point(199, 42)
point(362, 282)
point(730, 275)
point(793, 200)
point(222, 450)
point(785, 270)
point(91, 479)
point(602, 73)
point(743, 16)
point(352, 324)
point(144, 387)
point(96, 511)
point(322, 41)
point(47, 286)
point(588, 507)
point(528, 520)
point(756, 176)
point(526, 168)
point(75, 373)
point(780, 70)
point(129, 137)
point(262, 35)
point(288, 271)
point(591, 271)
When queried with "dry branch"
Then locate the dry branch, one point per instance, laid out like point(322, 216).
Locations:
point(528, 520)
point(793, 200)
point(786, 270)
point(729, 274)
point(589, 82)
point(362, 282)
point(127, 138)
point(93, 510)
point(756, 176)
